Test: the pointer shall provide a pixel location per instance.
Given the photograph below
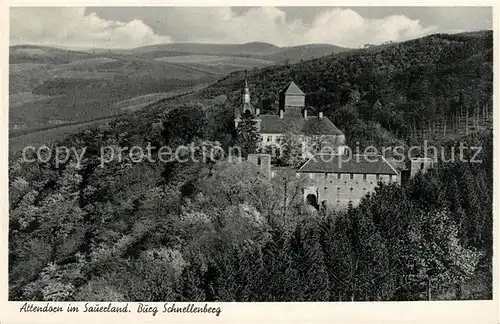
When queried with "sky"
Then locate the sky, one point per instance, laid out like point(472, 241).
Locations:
point(129, 27)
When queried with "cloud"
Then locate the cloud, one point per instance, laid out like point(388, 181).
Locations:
point(73, 27)
point(343, 27)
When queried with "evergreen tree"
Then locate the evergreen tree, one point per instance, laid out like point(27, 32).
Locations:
point(247, 135)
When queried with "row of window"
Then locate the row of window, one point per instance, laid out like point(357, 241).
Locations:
point(325, 202)
point(270, 138)
point(351, 176)
point(338, 188)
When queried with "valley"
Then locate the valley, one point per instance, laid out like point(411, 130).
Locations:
point(53, 86)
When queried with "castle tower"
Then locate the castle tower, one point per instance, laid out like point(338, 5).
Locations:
point(246, 93)
point(292, 101)
point(246, 109)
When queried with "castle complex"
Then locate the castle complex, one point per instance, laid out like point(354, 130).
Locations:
point(293, 118)
point(333, 180)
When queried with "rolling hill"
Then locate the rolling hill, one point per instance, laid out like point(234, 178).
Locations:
point(53, 86)
point(258, 50)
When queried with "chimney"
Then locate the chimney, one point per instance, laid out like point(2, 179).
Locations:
point(320, 115)
point(305, 113)
point(281, 113)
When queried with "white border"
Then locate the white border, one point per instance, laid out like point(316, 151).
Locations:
point(346, 312)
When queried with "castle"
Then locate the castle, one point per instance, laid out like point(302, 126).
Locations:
point(333, 180)
point(314, 132)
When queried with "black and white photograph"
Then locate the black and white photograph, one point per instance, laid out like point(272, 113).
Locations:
point(249, 154)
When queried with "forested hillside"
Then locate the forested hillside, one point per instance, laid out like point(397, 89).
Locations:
point(159, 231)
point(398, 86)
point(205, 231)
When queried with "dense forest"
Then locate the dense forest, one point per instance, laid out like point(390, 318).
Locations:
point(154, 231)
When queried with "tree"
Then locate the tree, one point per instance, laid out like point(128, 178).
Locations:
point(290, 151)
point(182, 125)
point(247, 135)
point(434, 258)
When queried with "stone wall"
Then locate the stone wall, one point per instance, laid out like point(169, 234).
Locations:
point(338, 190)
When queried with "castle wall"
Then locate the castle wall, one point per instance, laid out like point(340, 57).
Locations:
point(338, 190)
point(332, 144)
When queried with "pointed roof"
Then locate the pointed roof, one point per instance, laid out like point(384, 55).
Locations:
point(362, 163)
point(292, 89)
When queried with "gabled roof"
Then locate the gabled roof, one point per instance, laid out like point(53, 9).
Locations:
point(273, 124)
point(292, 89)
point(331, 163)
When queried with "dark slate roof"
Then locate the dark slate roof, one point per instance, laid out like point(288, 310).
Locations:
point(292, 89)
point(330, 163)
point(273, 124)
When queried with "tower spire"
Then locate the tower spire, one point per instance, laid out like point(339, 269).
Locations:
point(246, 91)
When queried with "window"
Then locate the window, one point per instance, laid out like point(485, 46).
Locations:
point(269, 138)
point(421, 166)
point(326, 188)
point(272, 174)
point(338, 176)
point(338, 188)
point(377, 177)
point(326, 175)
point(311, 175)
point(259, 162)
point(351, 176)
point(297, 175)
point(364, 176)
